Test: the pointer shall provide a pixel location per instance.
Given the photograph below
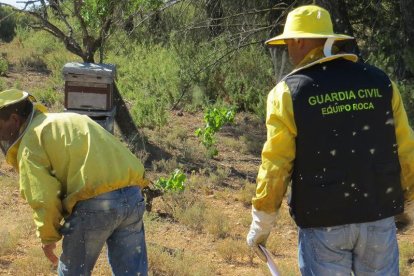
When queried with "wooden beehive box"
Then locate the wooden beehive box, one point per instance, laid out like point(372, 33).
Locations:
point(89, 86)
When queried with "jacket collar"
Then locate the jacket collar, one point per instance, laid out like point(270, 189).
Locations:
point(316, 56)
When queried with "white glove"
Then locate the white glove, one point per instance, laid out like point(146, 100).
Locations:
point(260, 228)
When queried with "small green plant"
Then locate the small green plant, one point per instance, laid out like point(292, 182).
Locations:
point(215, 118)
point(174, 183)
point(4, 66)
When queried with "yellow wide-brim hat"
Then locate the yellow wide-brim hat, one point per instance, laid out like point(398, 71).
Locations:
point(309, 21)
point(12, 96)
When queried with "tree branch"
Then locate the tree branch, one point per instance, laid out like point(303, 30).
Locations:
point(55, 5)
point(76, 12)
point(69, 42)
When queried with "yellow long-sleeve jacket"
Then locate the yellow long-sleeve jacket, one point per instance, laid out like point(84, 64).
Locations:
point(279, 150)
point(63, 158)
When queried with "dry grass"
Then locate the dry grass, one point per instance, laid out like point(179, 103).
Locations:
point(8, 240)
point(165, 165)
point(32, 263)
point(246, 193)
point(216, 178)
point(167, 261)
point(235, 251)
point(406, 257)
point(193, 216)
point(16, 226)
point(233, 144)
point(216, 223)
point(252, 144)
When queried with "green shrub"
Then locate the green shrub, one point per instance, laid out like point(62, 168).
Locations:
point(149, 112)
point(48, 96)
point(149, 78)
point(4, 67)
point(215, 118)
point(42, 52)
point(174, 183)
point(243, 81)
point(189, 75)
point(7, 24)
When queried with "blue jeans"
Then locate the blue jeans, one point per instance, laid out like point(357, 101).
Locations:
point(114, 218)
point(364, 248)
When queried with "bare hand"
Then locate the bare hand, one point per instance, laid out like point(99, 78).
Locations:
point(48, 249)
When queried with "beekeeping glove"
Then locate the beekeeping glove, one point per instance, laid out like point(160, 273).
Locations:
point(260, 228)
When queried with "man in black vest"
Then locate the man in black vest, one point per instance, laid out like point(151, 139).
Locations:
point(337, 130)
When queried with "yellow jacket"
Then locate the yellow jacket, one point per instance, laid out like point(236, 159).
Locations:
point(279, 150)
point(63, 158)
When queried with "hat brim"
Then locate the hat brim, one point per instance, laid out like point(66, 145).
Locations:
point(280, 39)
point(13, 96)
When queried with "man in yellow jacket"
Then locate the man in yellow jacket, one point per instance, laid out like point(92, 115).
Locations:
point(338, 132)
point(72, 169)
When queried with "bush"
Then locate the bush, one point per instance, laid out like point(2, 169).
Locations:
point(7, 24)
point(48, 96)
point(149, 112)
point(155, 77)
point(42, 52)
point(244, 81)
point(4, 67)
point(215, 119)
point(149, 78)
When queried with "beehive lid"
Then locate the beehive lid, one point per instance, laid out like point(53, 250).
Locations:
point(90, 69)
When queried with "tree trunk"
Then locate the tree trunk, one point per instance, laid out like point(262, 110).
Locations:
point(341, 24)
point(407, 14)
point(407, 11)
point(214, 11)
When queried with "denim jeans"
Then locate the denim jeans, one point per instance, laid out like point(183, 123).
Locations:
point(114, 218)
point(363, 248)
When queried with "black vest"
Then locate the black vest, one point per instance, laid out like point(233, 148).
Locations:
point(346, 168)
